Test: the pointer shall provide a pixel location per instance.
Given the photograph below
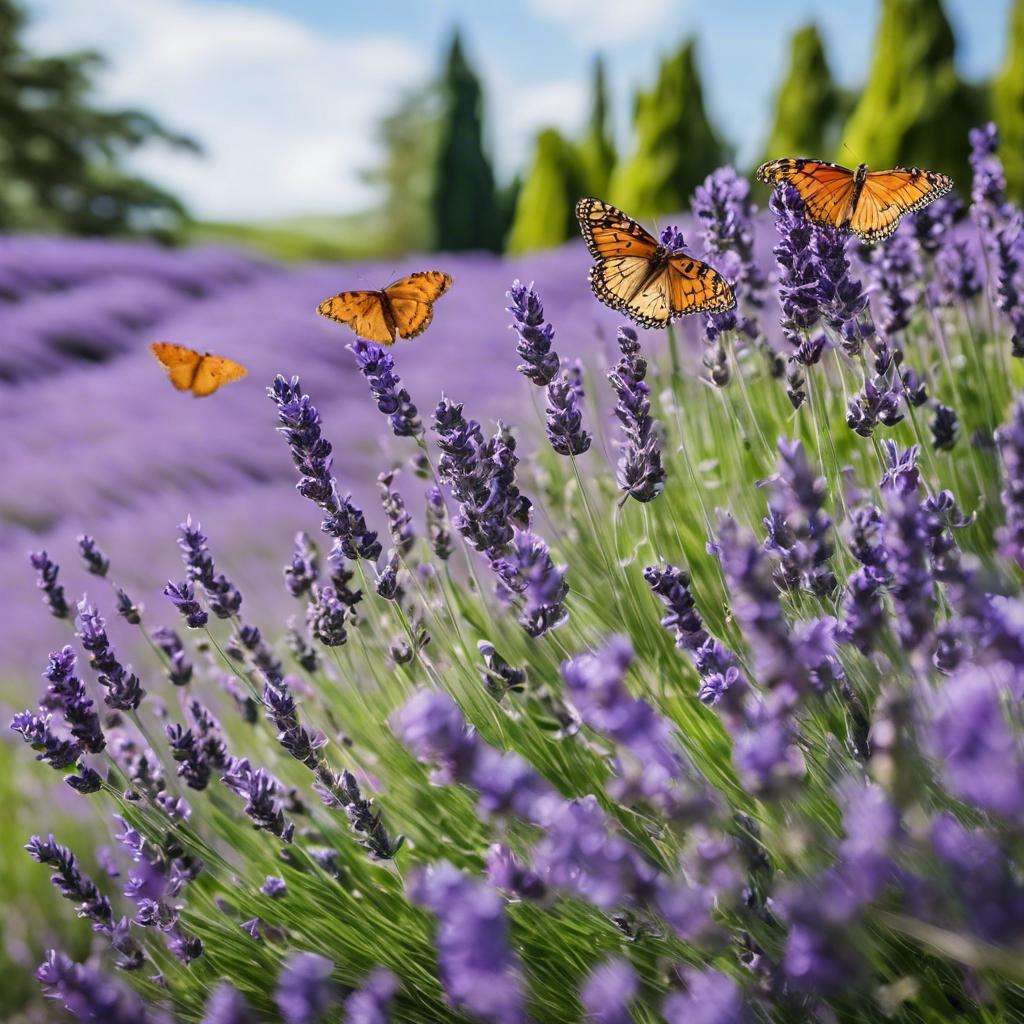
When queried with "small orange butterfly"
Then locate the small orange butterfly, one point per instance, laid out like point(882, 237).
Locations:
point(404, 308)
point(869, 203)
point(202, 373)
point(640, 277)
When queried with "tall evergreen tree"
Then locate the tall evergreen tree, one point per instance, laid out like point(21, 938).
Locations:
point(544, 214)
point(464, 201)
point(676, 145)
point(1008, 103)
point(597, 149)
point(61, 156)
point(914, 108)
point(807, 104)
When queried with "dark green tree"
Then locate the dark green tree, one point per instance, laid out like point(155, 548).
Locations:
point(676, 145)
point(1008, 103)
point(914, 109)
point(597, 148)
point(464, 200)
point(807, 104)
point(544, 214)
point(61, 156)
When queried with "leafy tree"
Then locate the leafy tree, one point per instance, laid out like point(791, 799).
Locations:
point(597, 149)
point(1008, 103)
point(807, 104)
point(464, 200)
point(676, 145)
point(61, 156)
point(914, 108)
point(544, 214)
point(409, 139)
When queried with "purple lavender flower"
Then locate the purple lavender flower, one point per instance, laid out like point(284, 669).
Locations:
point(222, 595)
point(1010, 441)
point(56, 751)
point(183, 597)
point(89, 994)
point(608, 990)
point(95, 561)
point(274, 887)
point(863, 611)
point(326, 616)
point(798, 274)
point(403, 536)
point(304, 568)
point(988, 182)
point(127, 608)
point(711, 997)
point(124, 692)
point(227, 1006)
point(386, 581)
point(437, 524)
point(193, 767)
point(371, 1002)
point(305, 991)
point(895, 270)
point(261, 793)
point(540, 362)
point(958, 276)
point(66, 693)
point(480, 972)
point(564, 416)
point(910, 581)
point(506, 871)
point(378, 367)
point(71, 882)
point(530, 572)
point(180, 668)
point(640, 473)
point(53, 592)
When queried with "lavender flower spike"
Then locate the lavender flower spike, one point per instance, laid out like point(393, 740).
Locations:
point(641, 474)
point(95, 561)
point(183, 597)
point(66, 693)
point(371, 1002)
point(53, 592)
point(608, 991)
point(56, 751)
point(540, 362)
point(305, 991)
point(89, 994)
point(227, 1006)
point(1010, 440)
point(378, 367)
point(564, 417)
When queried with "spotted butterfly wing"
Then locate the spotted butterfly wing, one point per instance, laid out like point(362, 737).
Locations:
point(888, 195)
point(402, 309)
point(202, 373)
point(831, 196)
point(632, 273)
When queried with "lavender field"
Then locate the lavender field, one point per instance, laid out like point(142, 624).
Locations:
point(689, 693)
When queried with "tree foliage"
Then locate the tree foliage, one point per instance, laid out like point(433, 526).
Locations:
point(675, 145)
point(464, 200)
point(807, 104)
point(914, 109)
point(544, 214)
point(1008, 103)
point(61, 157)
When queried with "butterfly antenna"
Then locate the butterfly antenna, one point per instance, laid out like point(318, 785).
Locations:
point(856, 158)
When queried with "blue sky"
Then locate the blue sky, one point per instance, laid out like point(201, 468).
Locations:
point(285, 93)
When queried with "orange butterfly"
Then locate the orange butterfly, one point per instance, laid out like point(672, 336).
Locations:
point(404, 308)
point(640, 277)
point(869, 203)
point(199, 372)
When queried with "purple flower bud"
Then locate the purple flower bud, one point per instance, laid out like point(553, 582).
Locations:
point(227, 1006)
point(608, 990)
point(274, 887)
point(378, 367)
point(304, 568)
point(183, 597)
point(711, 997)
point(564, 415)
point(53, 593)
point(89, 994)
point(540, 362)
point(506, 871)
point(305, 991)
point(95, 561)
point(371, 1002)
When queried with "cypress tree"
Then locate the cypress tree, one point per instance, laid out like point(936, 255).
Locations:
point(544, 214)
point(597, 150)
point(676, 146)
point(807, 103)
point(464, 200)
point(1008, 104)
point(914, 108)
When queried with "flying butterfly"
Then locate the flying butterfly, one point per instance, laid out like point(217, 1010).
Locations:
point(869, 203)
point(202, 373)
point(642, 278)
point(403, 309)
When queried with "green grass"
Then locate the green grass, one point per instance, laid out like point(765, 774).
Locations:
point(719, 445)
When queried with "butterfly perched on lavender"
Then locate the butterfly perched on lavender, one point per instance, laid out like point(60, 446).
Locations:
point(653, 282)
point(868, 203)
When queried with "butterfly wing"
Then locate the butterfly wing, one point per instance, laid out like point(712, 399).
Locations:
point(180, 363)
point(609, 233)
point(826, 189)
point(363, 312)
point(887, 195)
point(695, 287)
point(412, 300)
point(213, 372)
point(618, 281)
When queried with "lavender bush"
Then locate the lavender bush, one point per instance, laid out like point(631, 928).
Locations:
point(690, 700)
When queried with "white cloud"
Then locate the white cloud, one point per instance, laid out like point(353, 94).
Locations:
point(522, 110)
point(593, 22)
point(286, 115)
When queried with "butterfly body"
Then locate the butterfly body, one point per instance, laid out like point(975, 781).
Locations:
point(201, 373)
point(643, 278)
point(403, 309)
point(869, 203)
